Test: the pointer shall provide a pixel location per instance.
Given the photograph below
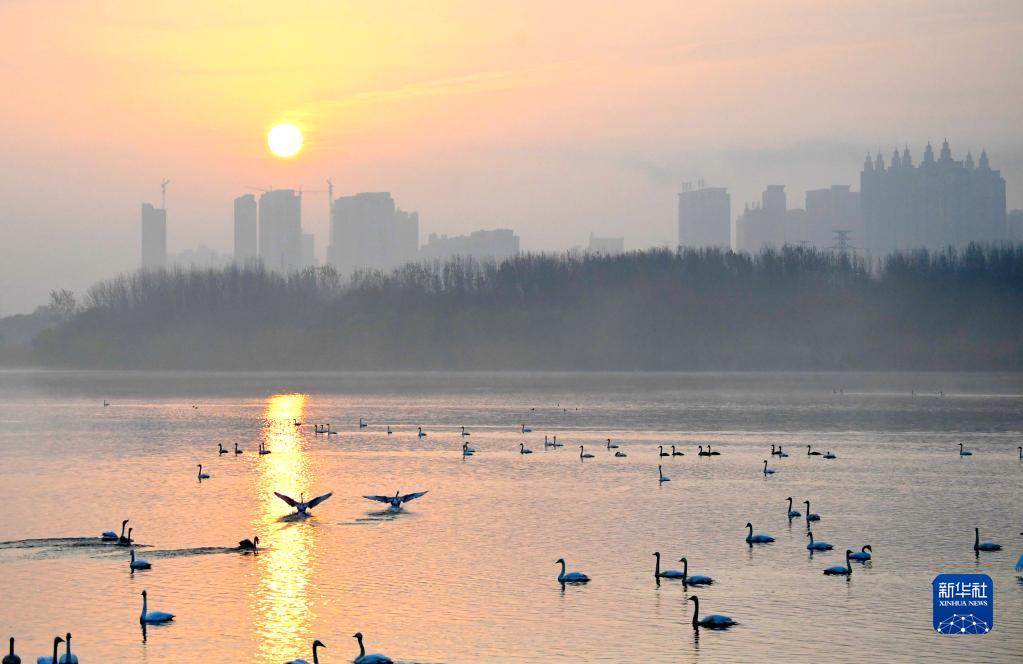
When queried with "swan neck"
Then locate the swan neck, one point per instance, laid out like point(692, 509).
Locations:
point(657, 565)
point(696, 610)
point(685, 568)
point(362, 649)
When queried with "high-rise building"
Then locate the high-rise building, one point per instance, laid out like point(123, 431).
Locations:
point(369, 232)
point(1015, 224)
point(705, 217)
point(154, 237)
point(499, 244)
point(280, 230)
point(833, 209)
point(770, 223)
point(308, 250)
point(245, 229)
point(606, 245)
point(942, 202)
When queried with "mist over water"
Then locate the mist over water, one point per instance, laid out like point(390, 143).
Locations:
point(467, 573)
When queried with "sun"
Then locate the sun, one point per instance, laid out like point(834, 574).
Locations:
point(285, 140)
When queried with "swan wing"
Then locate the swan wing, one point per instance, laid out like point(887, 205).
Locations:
point(319, 499)
point(1019, 564)
point(412, 496)
point(288, 499)
point(379, 499)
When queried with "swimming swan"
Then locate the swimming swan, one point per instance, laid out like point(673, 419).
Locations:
point(768, 471)
point(237, 450)
point(202, 475)
point(983, 546)
point(675, 454)
point(664, 478)
point(301, 507)
point(316, 657)
point(668, 573)
point(839, 570)
point(662, 452)
point(713, 621)
point(809, 453)
point(466, 450)
point(817, 546)
point(363, 658)
point(249, 544)
point(810, 516)
point(67, 657)
point(792, 513)
point(526, 429)
point(701, 452)
point(111, 536)
point(396, 500)
point(262, 449)
point(465, 433)
point(138, 563)
point(421, 434)
point(524, 450)
point(863, 554)
point(695, 579)
point(11, 657)
point(829, 455)
point(153, 616)
point(964, 452)
point(620, 454)
point(583, 454)
point(51, 660)
point(570, 577)
point(220, 449)
point(759, 538)
point(614, 446)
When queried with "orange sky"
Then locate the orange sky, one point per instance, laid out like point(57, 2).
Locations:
point(552, 118)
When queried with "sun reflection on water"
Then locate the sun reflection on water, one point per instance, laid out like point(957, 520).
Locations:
point(283, 608)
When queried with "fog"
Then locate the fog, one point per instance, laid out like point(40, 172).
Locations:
point(553, 120)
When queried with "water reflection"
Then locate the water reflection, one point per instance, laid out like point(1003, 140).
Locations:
point(282, 608)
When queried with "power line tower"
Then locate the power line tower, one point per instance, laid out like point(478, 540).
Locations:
point(843, 243)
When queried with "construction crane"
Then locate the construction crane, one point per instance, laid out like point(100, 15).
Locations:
point(163, 194)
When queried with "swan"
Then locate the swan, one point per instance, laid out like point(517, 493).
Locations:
point(675, 454)
point(964, 452)
point(153, 616)
point(11, 657)
point(202, 475)
point(125, 541)
point(465, 433)
point(759, 538)
point(106, 403)
point(664, 478)
point(555, 443)
point(220, 449)
point(396, 500)
point(1020, 452)
point(51, 660)
point(421, 434)
point(111, 536)
point(983, 546)
point(524, 450)
point(466, 450)
point(662, 452)
point(389, 432)
point(811, 453)
point(701, 452)
point(768, 471)
point(712, 453)
point(138, 563)
point(817, 546)
point(781, 454)
point(1019, 568)
point(301, 506)
point(296, 423)
point(792, 513)
point(620, 454)
point(67, 657)
point(363, 658)
point(695, 579)
point(583, 454)
point(362, 423)
point(262, 449)
point(863, 554)
point(713, 621)
point(249, 544)
point(811, 516)
point(611, 446)
point(316, 657)
point(526, 429)
point(839, 570)
point(236, 449)
point(829, 455)
point(570, 577)
point(773, 452)
point(666, 574)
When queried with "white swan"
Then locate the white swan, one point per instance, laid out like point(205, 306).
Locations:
point(811, 453)
point(983, 546)
point(362, 423)
point(662, 452)
point(963, 451)
point(126, 540)
point(792, 513)
point(138, 563)
point(51, 660)
point(363, 658)
point(817, 546)
point(713, 621)
point(711, 452)
point(389, 432)
point(811, 516)
point(666, 574)
point(421, 434)
point(148, 616)
point(621, 454)
point(664, 478)
point(675, 454)
point(759, 538)
point(570, 577)
point(466, 450)
point(262, 449)
point(555, 443)
point(220, 449)
point(249, 545)
point(695, 579)
point(839, 570)
point(829, 455)
point(768, 471)
point(396, 500)
point(316, 657)
point(111, 536)
point(702, 453)
point(526, 429)
point(863, 554)
point(611, 446)
point(584, 454)
point(301, 506)
point(67, 657)
point(465, 433)
point(524, 450)
point(202, 475)
point(781, 454)
point(237, 450)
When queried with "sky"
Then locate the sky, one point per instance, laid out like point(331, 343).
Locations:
point(553, 118)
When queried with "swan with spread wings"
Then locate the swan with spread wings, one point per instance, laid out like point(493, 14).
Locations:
point(301, 506)
point(397, 499)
